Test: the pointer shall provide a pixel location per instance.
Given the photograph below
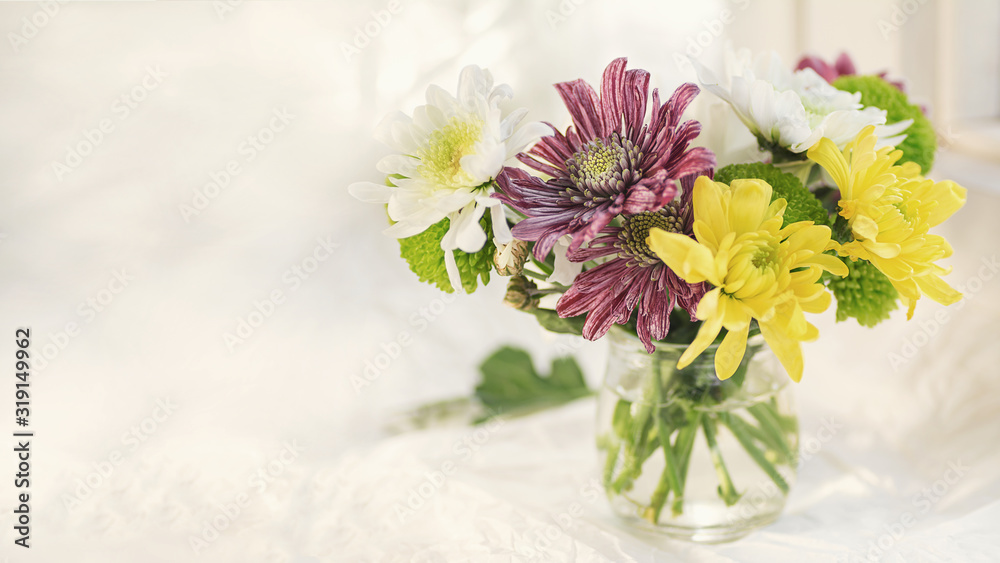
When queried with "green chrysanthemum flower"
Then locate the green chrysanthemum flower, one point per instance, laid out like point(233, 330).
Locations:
point(865, 294)
point(802, 204)
point(426, 259)
point(921, 141)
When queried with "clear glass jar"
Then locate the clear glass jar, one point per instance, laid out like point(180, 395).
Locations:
point(731, 446)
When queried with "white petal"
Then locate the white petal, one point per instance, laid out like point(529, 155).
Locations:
point(450, 202)
point(486, 163)
point(398, 164)
point(501, 231)
point(510, 122)
point(442, 100)
point(891, 135)
point(391, 132)
point(452, 268)
point(564, 271)
point(465, 232)
point(370, 192)
point(501, 93)
point(409, 207)
point(711, 82)
point(525, 136)
point(473, 84)
point(404, 229)
point(427, 120)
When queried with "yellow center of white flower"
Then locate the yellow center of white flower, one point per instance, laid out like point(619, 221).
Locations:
point(441, 157)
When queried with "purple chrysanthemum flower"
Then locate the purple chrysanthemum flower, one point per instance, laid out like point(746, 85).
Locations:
point(611, 161)
point(636, 277)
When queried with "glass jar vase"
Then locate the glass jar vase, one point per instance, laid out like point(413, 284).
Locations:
point(691, 456)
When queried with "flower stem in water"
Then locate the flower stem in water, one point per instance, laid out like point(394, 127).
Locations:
point(726, 488)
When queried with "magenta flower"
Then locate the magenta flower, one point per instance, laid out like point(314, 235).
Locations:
point(611, 161)
point(843, 66)
point(635, 277)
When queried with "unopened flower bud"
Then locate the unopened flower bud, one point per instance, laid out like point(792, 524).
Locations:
point(509, 258)
point(519, 294)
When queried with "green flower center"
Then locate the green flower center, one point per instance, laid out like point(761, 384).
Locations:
point(631, 243)
point(441, 157)
point(597, 161)
point(755, 265)
point(604, 167)
point(762, 257)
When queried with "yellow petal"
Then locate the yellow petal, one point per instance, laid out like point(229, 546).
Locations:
point(829, 263)
point(826, 154)
point(882, 249)
point(706, 335)
point(730, 352)
point(750, 202)
point(709, 207)
point(937, 289)
point(803, 235)
point(950, 197)
point(708, 307)
point(788, 351)
point(691, 261)
point(864, 227)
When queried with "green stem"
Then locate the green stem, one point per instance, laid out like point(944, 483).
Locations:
point(621, 420)
point(726, 488)
point(774, 436)
point(684, 445)
point(739, 429)
point(611, 462)
point(789, 424)
point(535, 275)
point(542, 266)
point(670, 468)
point(550, 291)
point(634, 447)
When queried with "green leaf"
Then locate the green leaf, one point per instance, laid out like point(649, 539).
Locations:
point(510, 382)
point(921, 140)
point(426, 259)
point(552, 322)
point(802, 204)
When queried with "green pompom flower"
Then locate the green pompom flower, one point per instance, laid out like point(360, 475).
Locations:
point(426, 259)
point(865, 294)
point(921, 140)
point(802, 204)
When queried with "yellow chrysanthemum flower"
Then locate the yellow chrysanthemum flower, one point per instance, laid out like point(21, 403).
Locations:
point(759, 270)
point(890, 210)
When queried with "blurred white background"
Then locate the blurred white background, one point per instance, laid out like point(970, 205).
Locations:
point(285, 96)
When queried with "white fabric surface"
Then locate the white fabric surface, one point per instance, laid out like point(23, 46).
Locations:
point(274, 426)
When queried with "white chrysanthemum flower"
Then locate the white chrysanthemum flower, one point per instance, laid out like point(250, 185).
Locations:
point(449, 154)
point(793, 109)
point(723, 132)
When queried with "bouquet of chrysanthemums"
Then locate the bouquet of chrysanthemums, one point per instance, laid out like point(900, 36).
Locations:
point(698, 222)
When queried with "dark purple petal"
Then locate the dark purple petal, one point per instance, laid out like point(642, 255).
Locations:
point(582, 103)
point(637, 87)
point(650, 194)
point(820, 66)
point(681, 99)
point(601, 246)
point(612, 96)
point(844, 66)
point(695, 162)
point(653, 320)
point(609, 293)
